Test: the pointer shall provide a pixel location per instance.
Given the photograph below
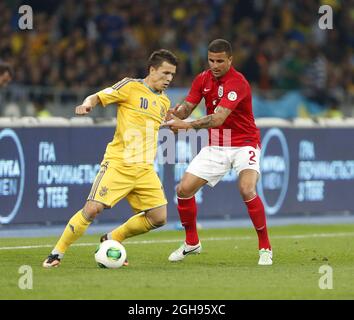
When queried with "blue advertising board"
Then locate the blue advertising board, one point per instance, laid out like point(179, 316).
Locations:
point(46, 173)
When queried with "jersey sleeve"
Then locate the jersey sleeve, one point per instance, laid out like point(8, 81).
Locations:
point(195, 93)
point(234, 93)
point(119, 92)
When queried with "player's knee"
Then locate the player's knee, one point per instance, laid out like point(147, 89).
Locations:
point(183, 191)
point(92, 209)
point(158, 220)
point(157, 217)
point(247, 191)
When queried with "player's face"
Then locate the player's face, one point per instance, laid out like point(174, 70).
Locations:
point(5, 78)
point(162, 76)
point(219, 63)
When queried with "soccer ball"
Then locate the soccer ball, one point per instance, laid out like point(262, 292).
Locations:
point(110, 254)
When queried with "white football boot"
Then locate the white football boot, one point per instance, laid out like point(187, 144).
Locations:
point(184, 250)
point(265, 257)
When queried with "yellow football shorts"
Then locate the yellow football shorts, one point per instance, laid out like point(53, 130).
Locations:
point(140, 186)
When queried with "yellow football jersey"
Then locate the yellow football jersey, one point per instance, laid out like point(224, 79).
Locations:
point(140, 113)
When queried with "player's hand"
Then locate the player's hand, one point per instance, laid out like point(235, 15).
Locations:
point(170, 112)
point(83, 109)
point(168, 116)
point(176, 123)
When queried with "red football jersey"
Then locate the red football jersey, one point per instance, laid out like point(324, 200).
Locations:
point(231, 91)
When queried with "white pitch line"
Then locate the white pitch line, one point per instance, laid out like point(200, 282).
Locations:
point(296, 236)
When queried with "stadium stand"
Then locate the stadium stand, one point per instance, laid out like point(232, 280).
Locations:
point(60, 122)
point(78, 47)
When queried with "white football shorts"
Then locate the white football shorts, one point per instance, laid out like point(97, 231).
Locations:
point(213, 162)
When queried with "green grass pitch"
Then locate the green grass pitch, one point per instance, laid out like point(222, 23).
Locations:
point(226, 269)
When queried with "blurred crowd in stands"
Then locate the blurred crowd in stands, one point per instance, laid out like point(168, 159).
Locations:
point(90, 43)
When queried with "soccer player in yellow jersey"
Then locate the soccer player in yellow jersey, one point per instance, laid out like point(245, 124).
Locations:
point(127, 168)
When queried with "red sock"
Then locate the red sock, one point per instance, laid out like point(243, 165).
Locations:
point(257, 214)
point(187, 209)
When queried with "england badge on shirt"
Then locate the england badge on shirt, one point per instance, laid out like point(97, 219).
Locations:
point(220, 91)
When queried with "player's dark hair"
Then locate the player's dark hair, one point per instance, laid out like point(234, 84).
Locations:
point(158, 57)
point(220, 45)
point(5, 67)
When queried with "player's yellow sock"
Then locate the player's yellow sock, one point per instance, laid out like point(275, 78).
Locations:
point(137, 224)
point(75, 228)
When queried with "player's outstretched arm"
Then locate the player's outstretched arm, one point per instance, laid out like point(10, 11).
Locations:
point(89, 103)
point(212, 120)
point(209, 121)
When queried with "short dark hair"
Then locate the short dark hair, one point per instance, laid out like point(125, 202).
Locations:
point(158, 57)
point(5, 67)
point(220, 45)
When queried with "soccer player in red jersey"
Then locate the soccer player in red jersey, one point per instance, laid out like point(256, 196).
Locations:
point(234, 142)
